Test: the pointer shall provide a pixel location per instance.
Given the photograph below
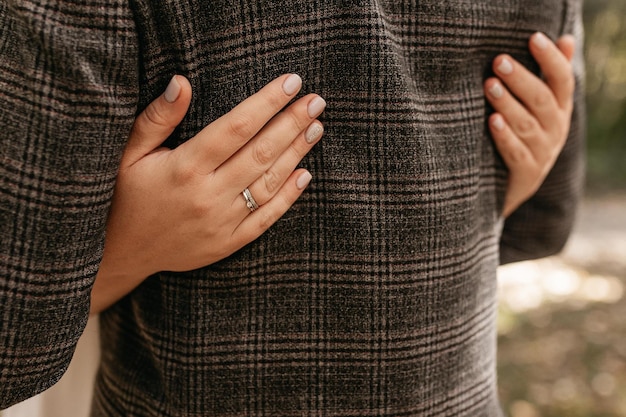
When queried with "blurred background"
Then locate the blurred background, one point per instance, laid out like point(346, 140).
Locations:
point(562, 323)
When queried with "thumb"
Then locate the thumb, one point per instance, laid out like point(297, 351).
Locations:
point(158, 120)
point(567, 45)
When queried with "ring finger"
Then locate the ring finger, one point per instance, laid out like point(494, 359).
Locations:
point(513, 150)
point(268, 184)
point(251, 161)
point(528, 88)
point(261, 153)
point(524, 125)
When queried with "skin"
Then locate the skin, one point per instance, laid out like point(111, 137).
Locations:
point(532, 117)
point(181, 209)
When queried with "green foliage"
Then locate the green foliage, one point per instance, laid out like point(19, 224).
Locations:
point(605, 54)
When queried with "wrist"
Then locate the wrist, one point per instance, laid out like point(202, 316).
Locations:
point(116, 278)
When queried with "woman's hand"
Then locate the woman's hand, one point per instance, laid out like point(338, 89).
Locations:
point(532, 117)
point(182, 209)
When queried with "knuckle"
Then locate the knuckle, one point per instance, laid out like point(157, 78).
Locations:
point(517, 156)
point(272, 181)
point(264, 152)
point(296, 153)
point(274, 99)
point(182, 175)
point(526, 127)
point(541, 100)
point(184, 172)
point(241, 126)
point(199, 208)
point(154, 116)
point(296, 123)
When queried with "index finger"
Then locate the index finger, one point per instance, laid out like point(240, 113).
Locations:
point(556, 68)
point(221, 139)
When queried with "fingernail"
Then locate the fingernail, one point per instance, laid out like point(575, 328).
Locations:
point(313, 133)
point(316, 106)
point(303, 180)
point(540, 40)
point(496, 90)
point(505, 66)
point(172, 91)
point(292, 84)
point(497, 122)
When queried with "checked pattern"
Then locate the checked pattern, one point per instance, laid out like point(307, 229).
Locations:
point(375, 295)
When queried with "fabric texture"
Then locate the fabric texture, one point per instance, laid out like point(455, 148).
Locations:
point(68, 93)
point(375, 295)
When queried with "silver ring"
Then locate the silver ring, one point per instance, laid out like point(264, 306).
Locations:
point(250, 202)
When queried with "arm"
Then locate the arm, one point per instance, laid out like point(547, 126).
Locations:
point(67, 92)
point(182, 209)
point(532, 116)
point(541, 225)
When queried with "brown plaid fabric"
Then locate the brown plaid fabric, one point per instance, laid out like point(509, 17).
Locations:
point(375, 295)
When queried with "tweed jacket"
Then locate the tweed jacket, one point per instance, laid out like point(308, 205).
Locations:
point(375, 295)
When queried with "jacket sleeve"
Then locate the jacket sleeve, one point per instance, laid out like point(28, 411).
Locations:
point(68, 91)
point(541, 226)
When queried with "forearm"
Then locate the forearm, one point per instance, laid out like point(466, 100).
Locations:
point(117, 277)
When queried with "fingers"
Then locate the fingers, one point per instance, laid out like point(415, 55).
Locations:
point(221, 139)
point(270, 144)
point(158, 120)
point(525, 170)
point(513, 150)
point(546, 102)
point(267, 185)
point(555, 65)
point(529, 104)
point(259, 221)
point(527, 87)
point(540, 97)
point(521, 122)
point(567, 46)
point(532, 115)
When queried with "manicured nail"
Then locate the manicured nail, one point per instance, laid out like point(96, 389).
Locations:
point(505, 66)
point(540, 40)
point(316, 106)
point(172, 91)
point(497, 122)
point(303, 180)
point(313, 133)
point(292, 84)
point(496, 90)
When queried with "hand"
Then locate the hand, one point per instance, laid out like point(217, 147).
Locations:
point(182, 209)
point(532, 117)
